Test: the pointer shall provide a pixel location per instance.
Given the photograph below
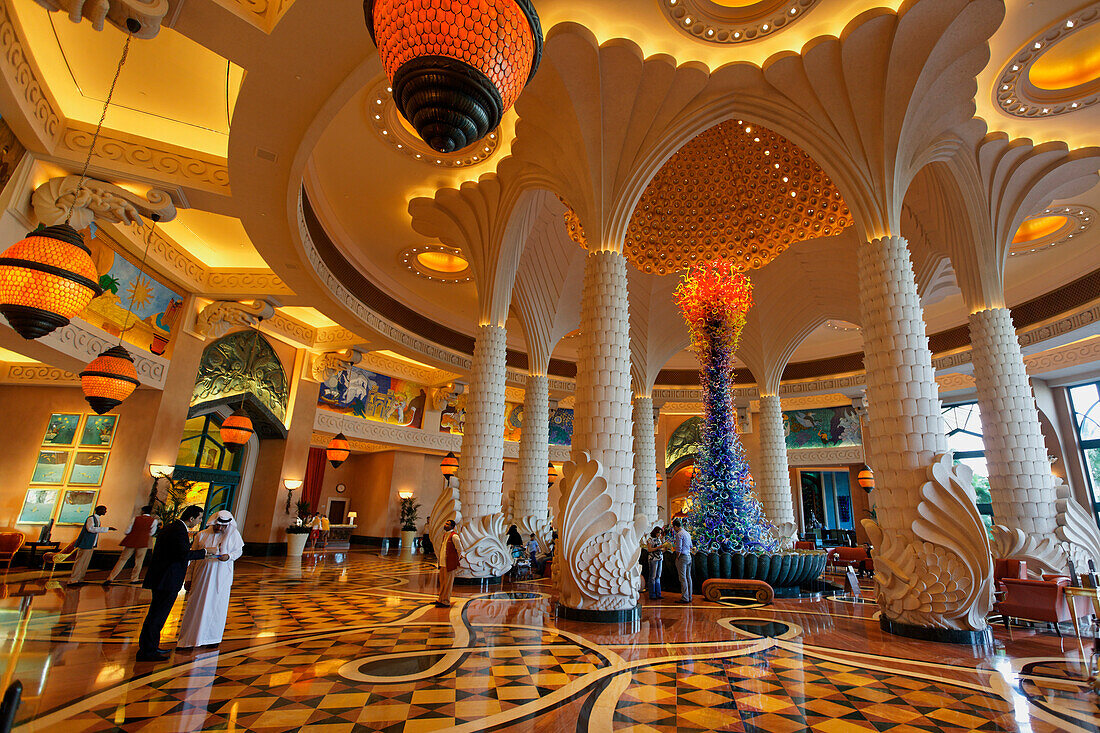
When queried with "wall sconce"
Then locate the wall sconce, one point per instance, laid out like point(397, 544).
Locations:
point(291, 484)
point(157, 470)
point(405, 494)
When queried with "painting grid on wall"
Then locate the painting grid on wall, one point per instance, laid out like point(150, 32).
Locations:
point(74, 469)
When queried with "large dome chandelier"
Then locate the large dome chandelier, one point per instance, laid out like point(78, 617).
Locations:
point(455, 66)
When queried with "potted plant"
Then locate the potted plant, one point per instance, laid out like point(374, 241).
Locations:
point(409, 511)
point(297, 534)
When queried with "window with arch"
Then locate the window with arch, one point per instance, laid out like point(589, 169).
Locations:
point(1084, 400)
point(964, 438)
point(201, 445)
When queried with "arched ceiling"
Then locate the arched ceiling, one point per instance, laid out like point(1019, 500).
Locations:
point(738, 191)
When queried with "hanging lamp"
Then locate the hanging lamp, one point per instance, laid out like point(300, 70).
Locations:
point(551, 475)
point(48, 277)
point(338, 450)
point(236, 430)
point(866, 479)
point(109, 379)
point(660, 480)
point(449, 467)
point(455, 66)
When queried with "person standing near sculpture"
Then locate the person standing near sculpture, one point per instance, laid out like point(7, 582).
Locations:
point(448, 564)
point(167, 569)
point(136, 542)
point(86, 542)
point(656, 547)
point(203, 622)
point(683, 559)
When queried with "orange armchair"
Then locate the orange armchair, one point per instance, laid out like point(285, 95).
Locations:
point(1007, 568)
point(805, 545)
point(843, 557)
point(1039, 600)
point(10, 543)
point(53, 559)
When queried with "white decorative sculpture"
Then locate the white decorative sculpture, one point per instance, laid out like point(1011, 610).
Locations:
point(481, 541)
point(597, 564)
point(786, 533)
point(332, 363)
point(538, 526)
point(148, 13)
point(1042, 555)
point(97, 200)
point(446, 507)
point(1076, 529)
point(945, 579)
point(221, 315)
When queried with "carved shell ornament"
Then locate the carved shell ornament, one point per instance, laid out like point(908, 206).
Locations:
point(97, 200)
point(944, 577)
point(599, 568)
point(1076, 529)
point(446, 507)
point(481, 541)
point(1042, 554)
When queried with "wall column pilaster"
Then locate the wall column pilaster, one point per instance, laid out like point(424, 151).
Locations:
point(645, 460)
point(532, 493)
point(773, 480)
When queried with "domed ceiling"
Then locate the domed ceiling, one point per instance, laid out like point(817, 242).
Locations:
point(738, 191)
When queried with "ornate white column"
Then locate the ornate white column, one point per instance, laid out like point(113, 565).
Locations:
point(532, 494)
point(596, 572)
point(1020, 481)
point(645, 459)
point(481, 467)
point(932, 559)
point(603, 412)
point(773, 478)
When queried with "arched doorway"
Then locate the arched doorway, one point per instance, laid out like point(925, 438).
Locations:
point(203, 460)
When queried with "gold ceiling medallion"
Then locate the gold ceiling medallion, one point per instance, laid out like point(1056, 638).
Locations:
point(1057, 71)
point(734, 21)
point(737, 191)
point(392, 128)
point(437, 262)
point(1054, 226)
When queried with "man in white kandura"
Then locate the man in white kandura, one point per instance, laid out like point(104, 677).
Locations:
point(203, 622)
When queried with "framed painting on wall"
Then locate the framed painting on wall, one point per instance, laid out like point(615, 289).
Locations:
point(76, 506)
point(61, 429)
point(49, 467)
point(38, 506)
point(88, 468)
point(99, 431)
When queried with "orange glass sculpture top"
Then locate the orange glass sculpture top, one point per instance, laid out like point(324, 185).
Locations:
point(109, 379)
point(49, 273)
point(493, 37)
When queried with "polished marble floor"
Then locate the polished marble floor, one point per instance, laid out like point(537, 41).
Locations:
point(350, 641)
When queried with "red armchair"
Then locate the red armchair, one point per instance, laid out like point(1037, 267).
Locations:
point(805, 545)
point(1038, 600)
point(1007, 568)
point(10, 542)
point(843, 557)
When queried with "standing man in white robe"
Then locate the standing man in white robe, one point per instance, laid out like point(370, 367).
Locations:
point(203, 622)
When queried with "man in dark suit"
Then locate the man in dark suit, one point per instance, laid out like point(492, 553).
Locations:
point(171, 553)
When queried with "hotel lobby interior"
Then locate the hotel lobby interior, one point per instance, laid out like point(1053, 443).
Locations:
point(817, 281)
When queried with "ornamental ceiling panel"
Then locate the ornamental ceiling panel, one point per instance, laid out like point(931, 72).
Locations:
point(739, 191)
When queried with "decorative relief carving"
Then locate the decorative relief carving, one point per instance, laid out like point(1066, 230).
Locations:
point(332, 363)
point(1085, 351)
point(242, 363)
point(481, 542)
point(210, 174)
point(85, 342)
point(222, 315)
point(380, 432)
point(37, 374)
point(537, 526)
point(954, 382)
point(597, 561)
point(1079, 219)
point(1076, 529)
point(234, 281)
point(332, 335)
point(446, 507)
point(943, 579)
point(54, 199)
point(1042, 554)
point(1060, 326)
point(282, 325)
point(22, 80)
point(383, 364)
point(825, 456)
point(148, 13)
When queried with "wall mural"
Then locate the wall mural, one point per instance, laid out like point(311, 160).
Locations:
point(373, 396)
point(238, 363)
point(453, 419)
point(822, 428)
point(685, 440)
point(156, 308)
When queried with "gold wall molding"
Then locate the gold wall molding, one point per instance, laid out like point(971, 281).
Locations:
point(1077, 353)
point(382, 364)
point(146, 158)
point(36, 374)
point(824, 456)
point(22, 78)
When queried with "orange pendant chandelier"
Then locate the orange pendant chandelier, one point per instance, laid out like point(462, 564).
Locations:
point(449, 466)
point(109, 379)
point(46, 279)
point(455, 66)
point(338, 450)
point(236, 430)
